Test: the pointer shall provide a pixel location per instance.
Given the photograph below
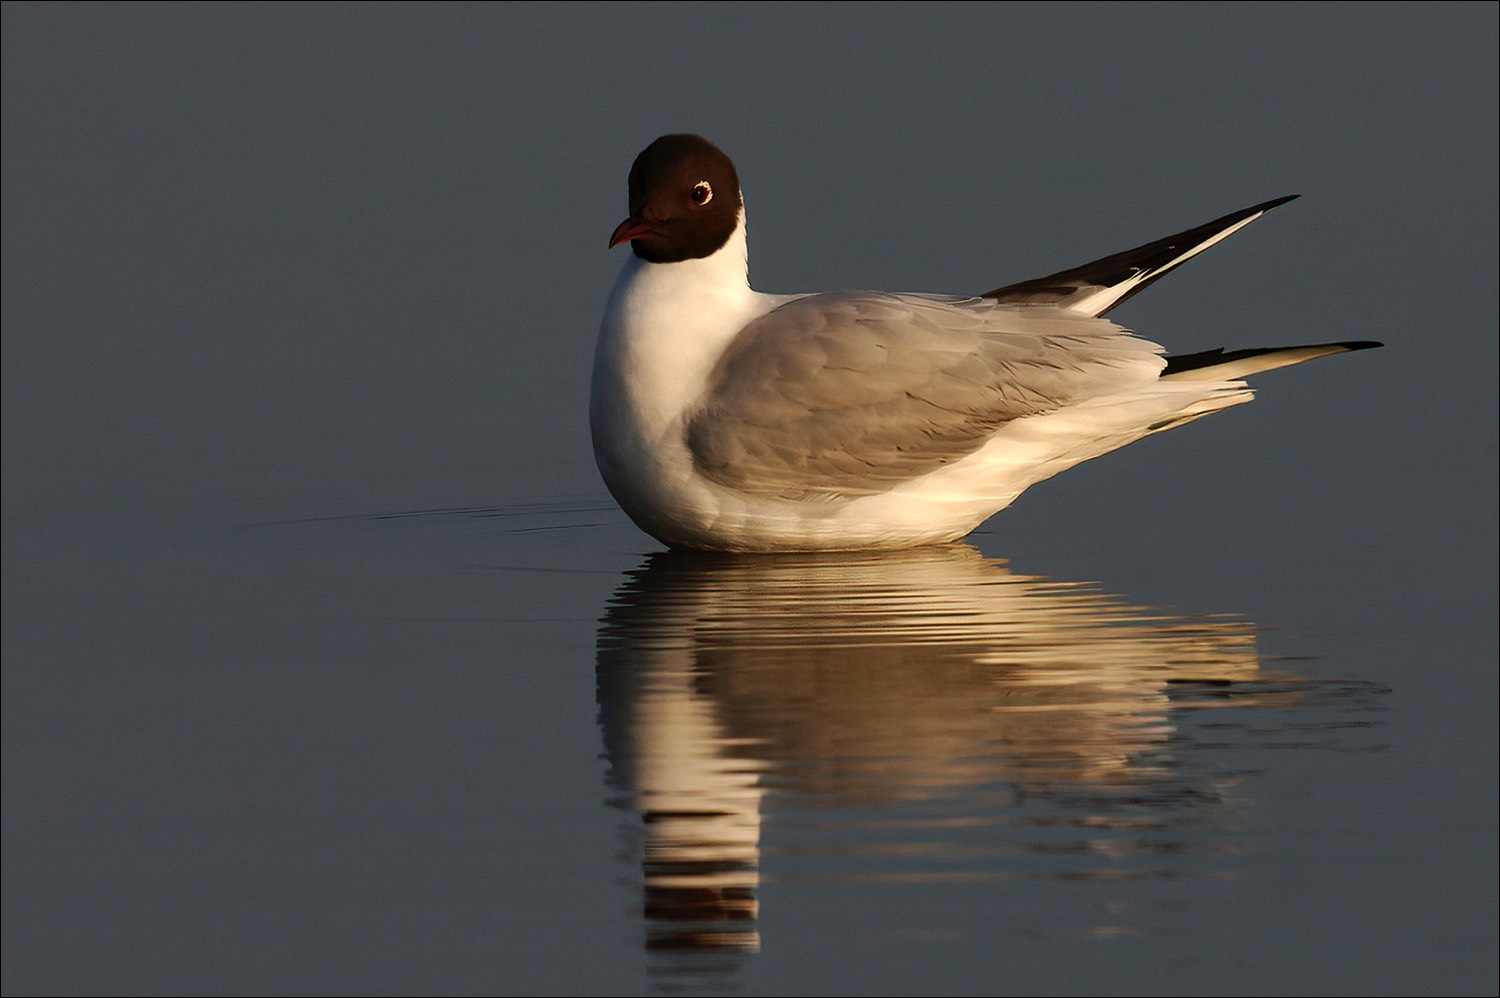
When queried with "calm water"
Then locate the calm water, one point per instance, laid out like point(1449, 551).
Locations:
point(504, 750)
point(329, 668)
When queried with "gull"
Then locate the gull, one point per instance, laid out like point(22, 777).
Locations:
point(724, 419)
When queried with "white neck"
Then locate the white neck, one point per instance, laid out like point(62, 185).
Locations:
point(723, 275)
point(667, 324)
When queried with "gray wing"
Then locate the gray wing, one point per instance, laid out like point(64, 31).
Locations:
point(853, 393)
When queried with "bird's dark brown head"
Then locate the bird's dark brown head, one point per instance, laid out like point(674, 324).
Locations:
point(684, 201)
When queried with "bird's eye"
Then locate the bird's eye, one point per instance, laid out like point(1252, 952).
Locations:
point(702, 193)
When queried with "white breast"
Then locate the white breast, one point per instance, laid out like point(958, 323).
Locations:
point(664, 328)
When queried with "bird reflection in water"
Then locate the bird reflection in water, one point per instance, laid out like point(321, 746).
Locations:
point(933, 692)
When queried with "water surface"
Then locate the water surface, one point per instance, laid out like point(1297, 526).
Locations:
point(490, 748)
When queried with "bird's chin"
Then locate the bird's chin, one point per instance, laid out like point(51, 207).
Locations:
point(649, 250)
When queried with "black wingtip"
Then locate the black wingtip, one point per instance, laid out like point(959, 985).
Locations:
point(1155, 259)
point(1182, 363)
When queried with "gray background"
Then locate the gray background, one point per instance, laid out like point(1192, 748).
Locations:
point(269, 264)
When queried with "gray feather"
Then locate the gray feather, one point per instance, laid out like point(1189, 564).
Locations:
point(849, 394)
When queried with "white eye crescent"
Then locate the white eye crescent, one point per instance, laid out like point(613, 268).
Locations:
point(702, 193)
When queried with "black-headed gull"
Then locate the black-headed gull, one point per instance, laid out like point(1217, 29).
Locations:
point(726, 419)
